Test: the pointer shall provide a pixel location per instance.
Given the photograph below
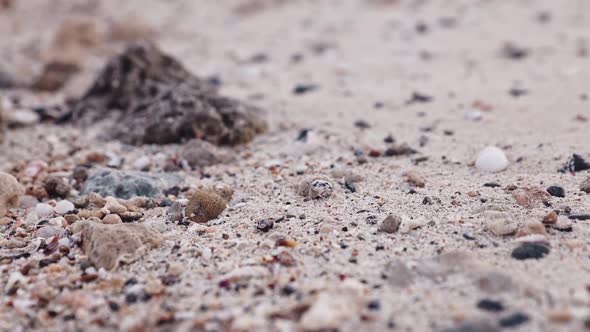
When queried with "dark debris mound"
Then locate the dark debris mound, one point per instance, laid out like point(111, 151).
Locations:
point(158, 102)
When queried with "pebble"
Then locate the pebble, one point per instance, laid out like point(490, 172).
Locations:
point(316, 188)
point(114, 206)
point(530, 251)
point(416, 179)
point(107, 246)
point(204, 205)
point(391, 224)
point(491, 159)
point(473, 326)
point(265, 225)
point(112, 219)
point(142, 163)
point(575, 164)
point(43, 210)
point(500, 223)
point(556, 191)
point(10, 191)
point(334, 306)
point(532, 227)
point(529, 197)
point(515, 319)
point(127, 184)
point(174, 212)
point(46, 232)
point(585, 186)
point(550, 218)
point(56, 186)
point(63, 207)
point(490, 305)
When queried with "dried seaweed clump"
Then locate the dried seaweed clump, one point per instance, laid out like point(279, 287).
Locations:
point(159, 102)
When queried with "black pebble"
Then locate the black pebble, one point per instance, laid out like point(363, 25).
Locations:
point(575, 164)
point(300, 89)
point(491, 184)
point(265, 225)
point(530, 251)
point(468, 237)
point(374, 305)
point(580, 217)
point(303, 135)
point(556, 191)
point(418, 97)
point(514, 320)
point(490, 305)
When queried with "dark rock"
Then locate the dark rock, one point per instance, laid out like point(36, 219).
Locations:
point(530, 251)
point(514, 320)
point(391, 224)
point(514, 52)
point(265, 225)
point(399, 150)
point(127, 184)
point(174, 212)
point(300, 89)
point(56, 187)
point(362, 124)
point(556, 191)
point(418, 97)
point(491, 184)
point(159, 101)
point(517, 92)
point(490, 305)
point(579, 216)
point(575, 164)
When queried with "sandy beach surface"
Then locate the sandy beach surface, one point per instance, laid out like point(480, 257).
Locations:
point(367, 110)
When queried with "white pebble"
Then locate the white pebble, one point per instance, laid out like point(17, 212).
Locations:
point(142, 163)
point(43, 210)
point(491, 159)
point(63, 207)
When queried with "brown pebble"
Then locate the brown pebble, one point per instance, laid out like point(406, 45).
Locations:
point(550, 219)
point(560, 316)
point(416, 179)
point(532, 227)
point(529, 197)
point(204, 205)
point(473, 194)
point(585, 186)
point(112, 219)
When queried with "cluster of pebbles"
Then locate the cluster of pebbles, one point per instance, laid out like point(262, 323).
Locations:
point(152, 237)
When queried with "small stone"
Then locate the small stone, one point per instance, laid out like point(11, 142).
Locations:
point(63, 207)
point(396, 150)
point(550, 219)
point(556, 191)
point(585, 186)
point(491, 159)
point(43, 210)
point(142, 163)
point(416, 179)
point(114, 206)
point(10, 191)
point(529, 197)
point(532, 227)
point(265, 225)
point(174, 212)
point(334, 306)
point(204, 205)
point(46, 232)
point(127, 184)
point(391, 224)
point(575, 164)
point(499, 223)
point(490, 305)
point(474, 326)
point(56, 187)
point(560, 316)
point(315, 188)
point(514, 320)
point(530, 251)
point(108, 246)
point(112, 219)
